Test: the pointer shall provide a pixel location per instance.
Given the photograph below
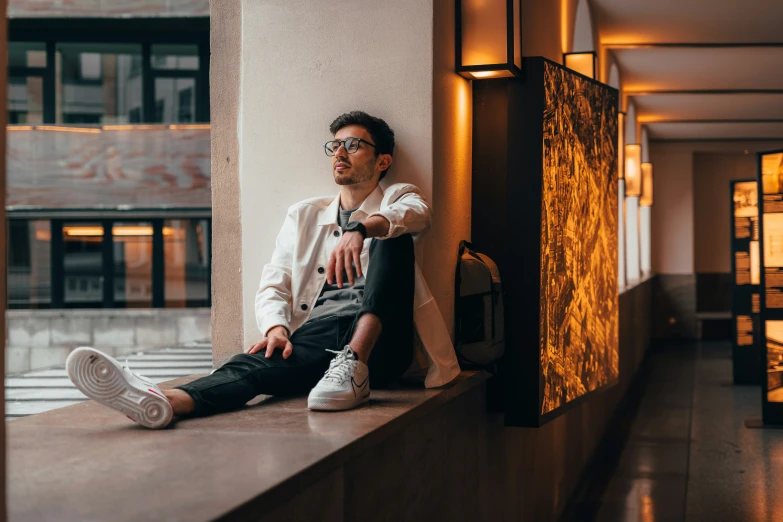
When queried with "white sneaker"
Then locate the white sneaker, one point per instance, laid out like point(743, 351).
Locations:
point(345, 385)
point(102, 379)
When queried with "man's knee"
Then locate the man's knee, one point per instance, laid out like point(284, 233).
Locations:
point(400, 247)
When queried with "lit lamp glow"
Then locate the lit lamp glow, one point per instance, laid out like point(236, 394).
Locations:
point(583, 63)
point(488, 41)
point(633, 170)
point(646, 199)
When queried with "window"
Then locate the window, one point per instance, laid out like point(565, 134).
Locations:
point(175, 57)
point(26, 64)
point(187, 261)
point(29, 267)
point(100, 264)
point(83, 263)
point(132, 245)
point(175, 69)
point(96, 82)
point(174, 100)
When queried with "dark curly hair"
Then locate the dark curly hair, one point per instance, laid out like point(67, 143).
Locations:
point(380, 132)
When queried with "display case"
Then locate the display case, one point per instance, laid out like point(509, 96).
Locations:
point(545, 199)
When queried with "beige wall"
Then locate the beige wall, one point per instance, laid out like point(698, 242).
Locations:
point(712, 173)
point(673, 216)
point(452, 163)
point(548, 28)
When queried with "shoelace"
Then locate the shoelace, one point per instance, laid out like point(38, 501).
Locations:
point(341, 366)
point(140, 377)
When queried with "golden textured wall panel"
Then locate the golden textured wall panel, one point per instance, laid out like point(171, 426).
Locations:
point(579, 344)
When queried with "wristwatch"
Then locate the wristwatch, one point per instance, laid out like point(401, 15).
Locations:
point(356, 226)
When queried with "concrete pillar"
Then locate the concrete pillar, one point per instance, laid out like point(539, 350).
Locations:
point(282, 70)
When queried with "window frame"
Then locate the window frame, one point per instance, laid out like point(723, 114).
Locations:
point(193, 31)
point(57, 261)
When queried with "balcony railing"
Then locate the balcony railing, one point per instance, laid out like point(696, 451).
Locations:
point(111, 166)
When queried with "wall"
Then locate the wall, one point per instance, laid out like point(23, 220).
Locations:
point(548, 28)
point(712, 173)
point(452, 163)
point(674, 229)
point(673, 216)
point(41, 338)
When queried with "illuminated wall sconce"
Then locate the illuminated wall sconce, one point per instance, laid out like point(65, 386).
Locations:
point(488, 41)
point(633, 170)
point(620, 145)
point(583, 63)
point(646, 199)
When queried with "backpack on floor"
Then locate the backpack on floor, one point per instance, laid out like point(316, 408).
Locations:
point(479, 332)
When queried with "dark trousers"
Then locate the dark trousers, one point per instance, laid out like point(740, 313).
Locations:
point(388, 294)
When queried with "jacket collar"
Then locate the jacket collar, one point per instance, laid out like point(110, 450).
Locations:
point(370, 205)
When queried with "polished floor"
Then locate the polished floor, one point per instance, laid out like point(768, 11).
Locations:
point(686, 455)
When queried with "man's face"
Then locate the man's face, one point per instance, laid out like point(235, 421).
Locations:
point(359, 167)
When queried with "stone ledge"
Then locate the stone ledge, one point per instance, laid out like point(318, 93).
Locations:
point(86, 462)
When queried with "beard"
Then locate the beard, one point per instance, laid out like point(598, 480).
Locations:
point(355, 175)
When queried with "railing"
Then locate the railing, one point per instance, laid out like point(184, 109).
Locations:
point(106, 8)
point(61, 166)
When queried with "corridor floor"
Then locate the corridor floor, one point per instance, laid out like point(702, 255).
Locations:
point(688, 455)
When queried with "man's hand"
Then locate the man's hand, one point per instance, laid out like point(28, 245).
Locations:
point(345, 255)
point(276, 337)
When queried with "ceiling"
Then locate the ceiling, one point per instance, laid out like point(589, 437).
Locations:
point(699, 69)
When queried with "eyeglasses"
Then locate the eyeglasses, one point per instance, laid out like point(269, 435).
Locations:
point(351, 145)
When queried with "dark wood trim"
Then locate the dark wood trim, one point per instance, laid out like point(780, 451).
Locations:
point(109, 30)
point(26, 71)
point(158, 265)
point(57, 258)
point(108, 264)
point(174, 73)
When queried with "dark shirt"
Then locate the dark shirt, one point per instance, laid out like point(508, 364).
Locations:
point(343, 301)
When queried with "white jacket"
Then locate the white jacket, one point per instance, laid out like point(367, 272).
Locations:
point(291, 283)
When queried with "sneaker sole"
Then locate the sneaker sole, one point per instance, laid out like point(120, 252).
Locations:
point(100, 380)
point(333, 404)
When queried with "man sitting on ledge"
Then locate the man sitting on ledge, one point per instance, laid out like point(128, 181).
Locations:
point(336, 304)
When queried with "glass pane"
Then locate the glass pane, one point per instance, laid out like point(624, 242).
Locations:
point(98, 83)
point(83, 262)
point(186, 261)
point(26, 54)
point(177, 57)
point(132, 264)
point(29, 263)
point(25, 100)
point(175, 100)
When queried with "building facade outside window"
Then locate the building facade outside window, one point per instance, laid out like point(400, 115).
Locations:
point(108, 191)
